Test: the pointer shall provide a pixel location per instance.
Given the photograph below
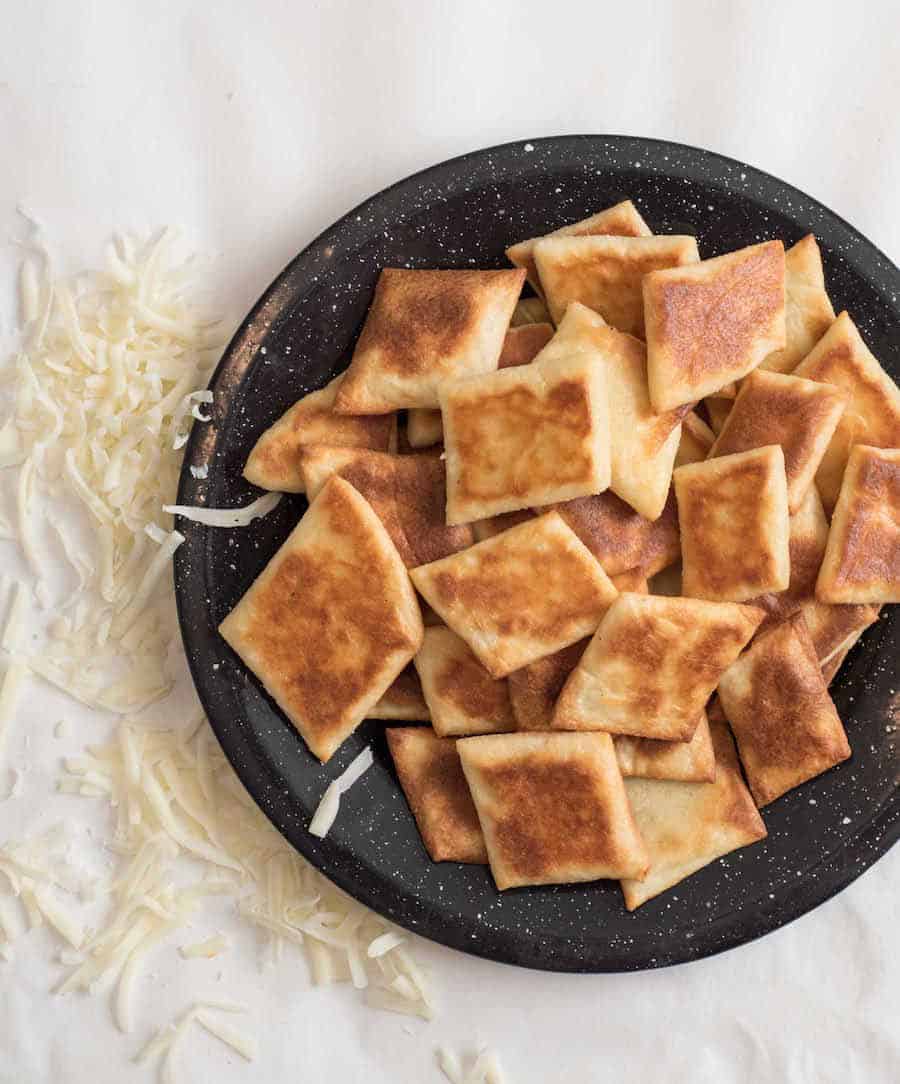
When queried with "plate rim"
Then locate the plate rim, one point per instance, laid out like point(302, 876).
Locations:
point(875, 836)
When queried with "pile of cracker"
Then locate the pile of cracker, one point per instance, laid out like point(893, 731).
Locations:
point(613, 540)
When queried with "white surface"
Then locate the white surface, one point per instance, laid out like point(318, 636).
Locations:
point(256, 125)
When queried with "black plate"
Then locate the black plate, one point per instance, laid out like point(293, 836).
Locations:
point(462, 214)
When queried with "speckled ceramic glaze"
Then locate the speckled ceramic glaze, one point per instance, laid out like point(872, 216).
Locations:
point(464, 213)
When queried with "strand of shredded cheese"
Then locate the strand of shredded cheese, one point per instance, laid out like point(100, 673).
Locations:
point(327, 810)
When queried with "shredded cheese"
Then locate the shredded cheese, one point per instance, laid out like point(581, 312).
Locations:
point(9, 696)
point(208, 949)
point(327, 810)
point(104, 392)
point(226, 517)
point(13, 628)
point(485, 1068)
point(243, 1045)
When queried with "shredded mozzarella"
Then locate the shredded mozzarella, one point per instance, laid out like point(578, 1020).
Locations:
point(208, 949)
point(13, 628)
point(226, 517)
point(103, 391)
point(9, 696)
point(242, 1044)
point(327, 810)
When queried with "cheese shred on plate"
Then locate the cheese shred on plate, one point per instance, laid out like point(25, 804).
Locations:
point(327, 809)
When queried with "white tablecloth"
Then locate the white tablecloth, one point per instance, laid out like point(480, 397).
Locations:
point(256, 125)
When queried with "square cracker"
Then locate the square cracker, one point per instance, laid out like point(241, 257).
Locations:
point(407, 492)
point(432, 779)
point(712, 322)
point(808, 313)
point(835, 629)
point(774, 408)
point(331, 620)
point(520, 595)
point(552, 808)
point(530, 435)
point(530, 310)
point(462, 696)
point(622, 539)
point(424, 428)
point(688, 825)
point(784, 722)
point(735, 529)
point(622, 220)
point(425, 327)
point(652, 665)
point(836, 659)
point(534, 689)
point(862, 558)
point(274, 462)
point(686, 761)
point(808, 536)
point(403, 699)
point(696, 440)
point(643, 442)
point(605, 273)
point(520, 346)
point(872, 414)
point(493, 525)
point(718, 408)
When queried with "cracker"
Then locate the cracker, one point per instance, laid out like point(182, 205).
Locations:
point(696, 440)
point(530, 310)
point(652, 665)
point(735, 531)
point(520, 346)
point(688, 825)
point(462, 697)
point(784, 722)
point(487, 528)
point(407, 492)
point(331, 621)
point(800, 415)
point(712, 322)
point(862, 558)
point(534, 690)
point(490, 596)
point(425, 327)
point(605, 273)
point(622, 539)
point(403, 699)
point(424, 427)
point(808, 536)
point(686, 761)
point(717, 408)
point(432, 779)
point(872, 414)
point(274, 462)
point(530, 435)
point(808, 313)
point(634, 580)
point(643, 442)
point(622, 220)
point(552, 808)
point(835, 629)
